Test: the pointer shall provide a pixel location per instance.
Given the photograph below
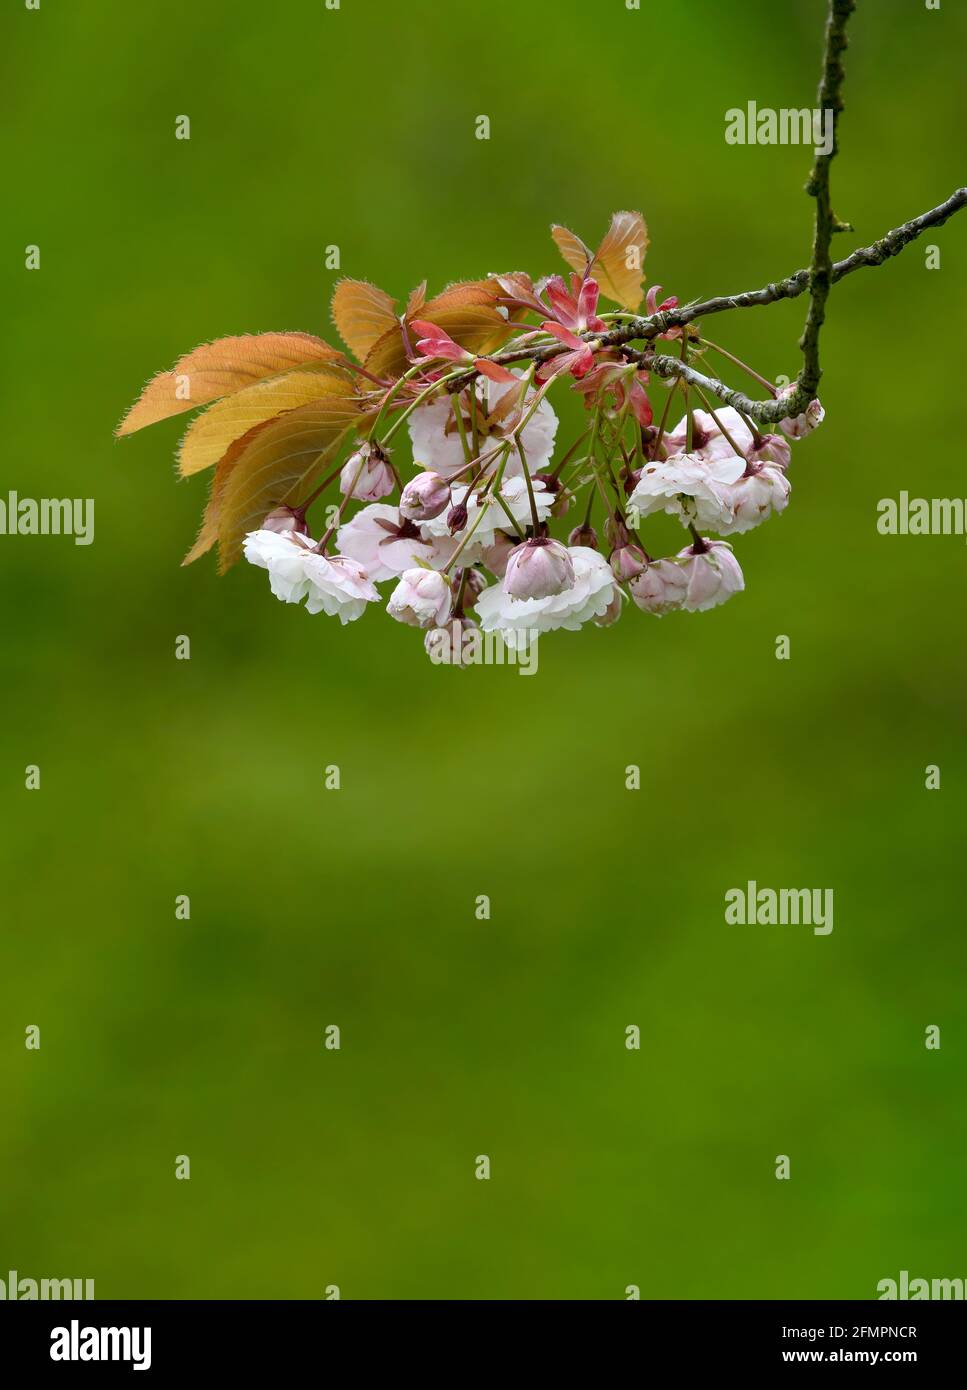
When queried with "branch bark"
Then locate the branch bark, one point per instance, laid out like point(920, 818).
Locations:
point(818, 278)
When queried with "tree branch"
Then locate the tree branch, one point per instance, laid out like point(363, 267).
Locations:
point(821, 274)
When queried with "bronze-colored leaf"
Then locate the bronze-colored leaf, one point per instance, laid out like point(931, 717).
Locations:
point(363, 313)
point(271, 466)
point(219, 368)
point(468, 312)
point(388, 358)
point(518, 285)
point(416, 301)
point(618, 263)
point(619, 260)
point(479, 329)
point(210, 434)
point(460, 295)
point(572, 248)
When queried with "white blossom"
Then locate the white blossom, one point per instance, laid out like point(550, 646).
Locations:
point(589, 597)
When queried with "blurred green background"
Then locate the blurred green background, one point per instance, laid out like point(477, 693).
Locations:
point(161, 777)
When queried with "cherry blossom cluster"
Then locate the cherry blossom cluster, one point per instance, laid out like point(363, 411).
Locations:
point(464, 533)
point(466, 540)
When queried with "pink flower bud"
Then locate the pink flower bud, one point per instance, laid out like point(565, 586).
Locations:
point(797, 425)
point(538, 568)
point(771, 448)
point(712, 575)
point(285, 519)
point(627, 561)
point(660, 588)
point(425, 497)
point(584, 535)
point(422, 598)
point(616, 532)
point(367, 475)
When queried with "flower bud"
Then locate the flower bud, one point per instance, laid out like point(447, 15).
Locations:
point(286, 519)
point(550, 480)
point(712, 575)
point(422, 598)
point(660, 587)
point(627, 561)
point(457, 518)
point(424, 497)
point(366, 474)
point(770, 448)
point(584, 535)
point(797, 425)
point(616, 532)
point(538, 568)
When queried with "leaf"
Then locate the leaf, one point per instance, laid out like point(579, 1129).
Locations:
point(271, 466)
point(464, 292)
point(416, 301)
point(219, 368)
point(362, 313)
point(475, 327)
point(618, 263)
point(519, 286)
point(619, 260)
point(388, 357)
point(469, 313)
point(210, 434)
point(572, 248)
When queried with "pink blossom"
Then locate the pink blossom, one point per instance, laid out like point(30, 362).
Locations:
point(285, 519)
point(538, 568)
point(436, 343)
point(627, 561)
point(660, 588)
point(425, 496)
point(496, 555)
point(754, 498)
point(578, 360)
point(712, 575)
point(422, 598)
point(367, 474)
point(797, 426)
point(574, 308)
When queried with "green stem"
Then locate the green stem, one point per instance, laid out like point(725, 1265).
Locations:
point(705, 401)
point(535, 519)
point(424, 395)
point(321, 547)
point(743, 366)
